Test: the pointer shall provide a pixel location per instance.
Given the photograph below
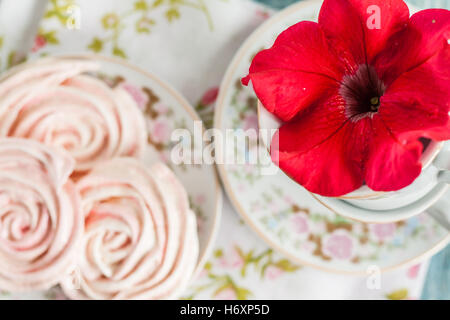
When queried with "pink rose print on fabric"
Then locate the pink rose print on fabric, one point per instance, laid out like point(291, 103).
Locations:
point(205, 106)
point(160, 131)
point(210, 96)
point(318, 227)
point(161, 108)
point(300, 223)
point(413, 272)
point(288, 200)
point(248, 168)
point(250, 121)
point(226, 294)
point(233, 260)
point(202, 274)
point(383, 232)
point(200, 224)
point(136, 93)
point(39, 42)
point(273, 272)
point(200, 199)
point(164, 157)
point(339, 245)
point(309, 246)
point(262, 14)
point(242, 97)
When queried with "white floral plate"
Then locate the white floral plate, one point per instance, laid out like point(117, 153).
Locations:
point(284, 214)
point(165, 110)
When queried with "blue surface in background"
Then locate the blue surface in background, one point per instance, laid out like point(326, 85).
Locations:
point(437, 284)
point(279, 4)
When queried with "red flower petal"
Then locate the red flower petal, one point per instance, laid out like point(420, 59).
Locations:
point(312, 126)
point(392, 163)
point(352, 29)
point(331, 167)
point(426, 34)
point(438, 133)
point(296, 71)
point(323, 170)
point(419, 100)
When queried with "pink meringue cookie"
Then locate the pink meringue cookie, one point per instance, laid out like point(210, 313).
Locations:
point(140, 239)
point(53, 101)
point(41, 222)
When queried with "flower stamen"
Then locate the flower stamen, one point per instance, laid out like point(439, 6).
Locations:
point(362, 92)
point(374, 104)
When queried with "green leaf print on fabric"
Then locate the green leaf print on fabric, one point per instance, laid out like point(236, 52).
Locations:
point(96, 45)
point(8, 59)
point(400, 294)
point(118, 52)
point(172, 14)
point(144, 24)
point(60, 11)
point(142, 17)
point(221, 281)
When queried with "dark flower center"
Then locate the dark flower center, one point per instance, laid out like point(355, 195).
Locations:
point(362, 92)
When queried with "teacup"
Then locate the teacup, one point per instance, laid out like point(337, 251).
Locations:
point(367, 205)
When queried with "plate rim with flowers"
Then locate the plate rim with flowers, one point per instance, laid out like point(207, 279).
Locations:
point(230, 79)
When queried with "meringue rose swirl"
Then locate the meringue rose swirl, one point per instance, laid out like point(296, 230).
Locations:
point(55, 102)
point(140, 240)
point(41, 223)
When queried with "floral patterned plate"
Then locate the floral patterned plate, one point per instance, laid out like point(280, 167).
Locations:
point(284, 214)
point(164, 110)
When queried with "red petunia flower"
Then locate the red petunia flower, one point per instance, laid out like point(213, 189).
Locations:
point(356, 99)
